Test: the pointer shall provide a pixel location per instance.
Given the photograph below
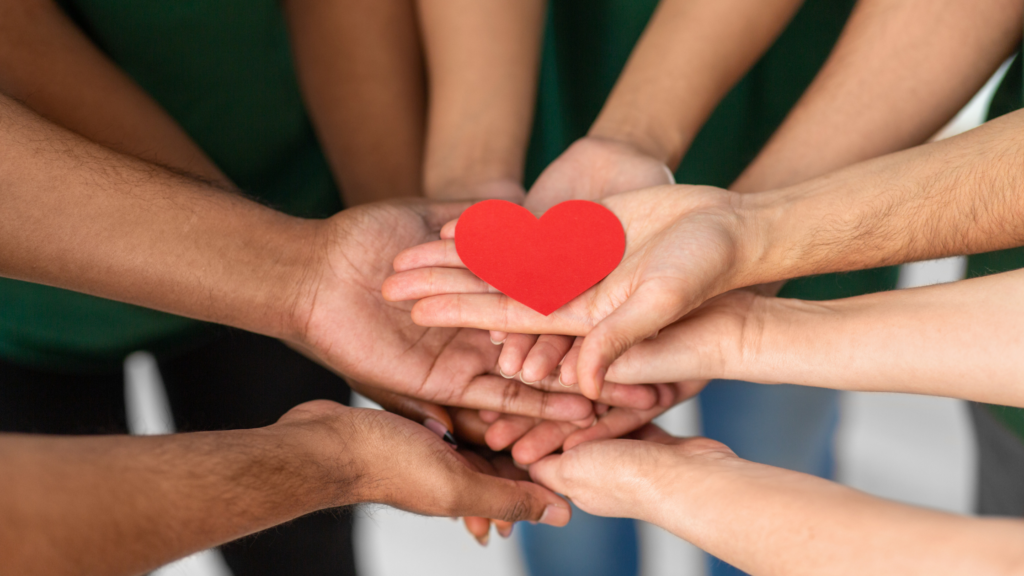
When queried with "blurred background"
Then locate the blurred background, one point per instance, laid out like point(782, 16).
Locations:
point(914, 449)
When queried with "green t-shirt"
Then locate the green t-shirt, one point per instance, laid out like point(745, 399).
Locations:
point(1009, 97)
point(587, 44)
point(223, 70)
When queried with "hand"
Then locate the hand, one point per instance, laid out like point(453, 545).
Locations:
point(684, 244)
point(532, 439)
point(593, 169)
point(628, 478)
point(375, 456)
point(344, 322)
point(492, 189)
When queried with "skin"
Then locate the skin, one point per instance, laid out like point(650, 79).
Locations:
point(924, 341)
point(767, 520)
point(483, 60)
point(125, 505)
point(898, 73)
point(957, 196)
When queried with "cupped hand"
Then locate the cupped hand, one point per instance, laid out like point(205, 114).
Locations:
point(345, 323)
point(683, 246)
point(628, 478)
point(532, 439)
point(376, 456)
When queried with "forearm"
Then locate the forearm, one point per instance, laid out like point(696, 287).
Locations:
point(957, 196)
point(959, 340)
point(691, 54)
point(47, 63)
point(124, 505)
point(767, 520)
point(898, 73)
point(483, 59)
point(360, 67)
point(76, 215)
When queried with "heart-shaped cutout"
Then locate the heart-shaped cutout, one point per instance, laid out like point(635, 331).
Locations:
point(541, 262)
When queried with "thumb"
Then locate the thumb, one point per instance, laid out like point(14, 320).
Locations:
point(639, 317)
point(513, 501)
point(547, 472)
point(414, 409)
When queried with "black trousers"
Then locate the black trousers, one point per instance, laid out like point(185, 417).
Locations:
point(241, 380)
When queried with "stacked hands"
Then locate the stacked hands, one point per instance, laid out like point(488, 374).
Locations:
point(598, 369)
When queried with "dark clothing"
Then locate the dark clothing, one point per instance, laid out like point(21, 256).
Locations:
point(240, 380)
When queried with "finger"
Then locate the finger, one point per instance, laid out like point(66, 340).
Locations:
point(498, 337)
point(507, 430)
point(513, 397)
point(439, 214)
point(469, 427)
point(542, 440)
point(545, 356)
point(479, 528)
point(513, 352)
point(437, 253)
point(653, 433)
point(510, 500)
point(567, 372)
point(547, 473)
point(412, 408)
point(489, 416)
point(448, 230)
point(493, 312)
point(637, 318)
point(618, 422)
point(424, 282)
point(636, 396)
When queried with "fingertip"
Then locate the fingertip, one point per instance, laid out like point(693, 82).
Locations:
point(555, 515)
point(448, 230)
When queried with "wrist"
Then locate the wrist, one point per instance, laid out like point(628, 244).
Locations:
point(658, 140)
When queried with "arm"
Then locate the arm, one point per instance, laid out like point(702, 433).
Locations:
point(767, 520)
point(123, 505)
point(361, 71)
point(958, 340)
point(76, 215)
point(482, 59)
point(50, 65)
point(689, 57)
point(898, 73)
point(957, 196)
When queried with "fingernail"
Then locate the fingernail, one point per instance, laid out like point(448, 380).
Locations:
point(520, 465)
point(555, 516)
point(450, 439)
point(496, 342)
point(441, 430)
point(503, 375)
point(506, 532)
point(483, 540)
point(564, 385)
point(524, 381)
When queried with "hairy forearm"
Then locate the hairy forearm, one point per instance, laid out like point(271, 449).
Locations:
point(957, 196)
point(959, 340)
point(483, 59)
point(76, 215)
point(691, 54)
point(361, 70)
point(47, 63)
point(767, 520)
point(898, 73)
point(124, 505)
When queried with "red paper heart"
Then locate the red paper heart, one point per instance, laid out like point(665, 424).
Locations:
point(543, 263)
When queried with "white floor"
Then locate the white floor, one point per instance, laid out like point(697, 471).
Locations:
point(909, 448)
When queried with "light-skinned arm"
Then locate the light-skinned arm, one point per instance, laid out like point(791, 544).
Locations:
point(767, 520)
point(685, 245)
point(958, 340)
point(898, 73)
point(118, 505)
point(689, 57)
point(482, 60)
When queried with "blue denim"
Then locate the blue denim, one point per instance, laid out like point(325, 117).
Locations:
point(788, 426)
